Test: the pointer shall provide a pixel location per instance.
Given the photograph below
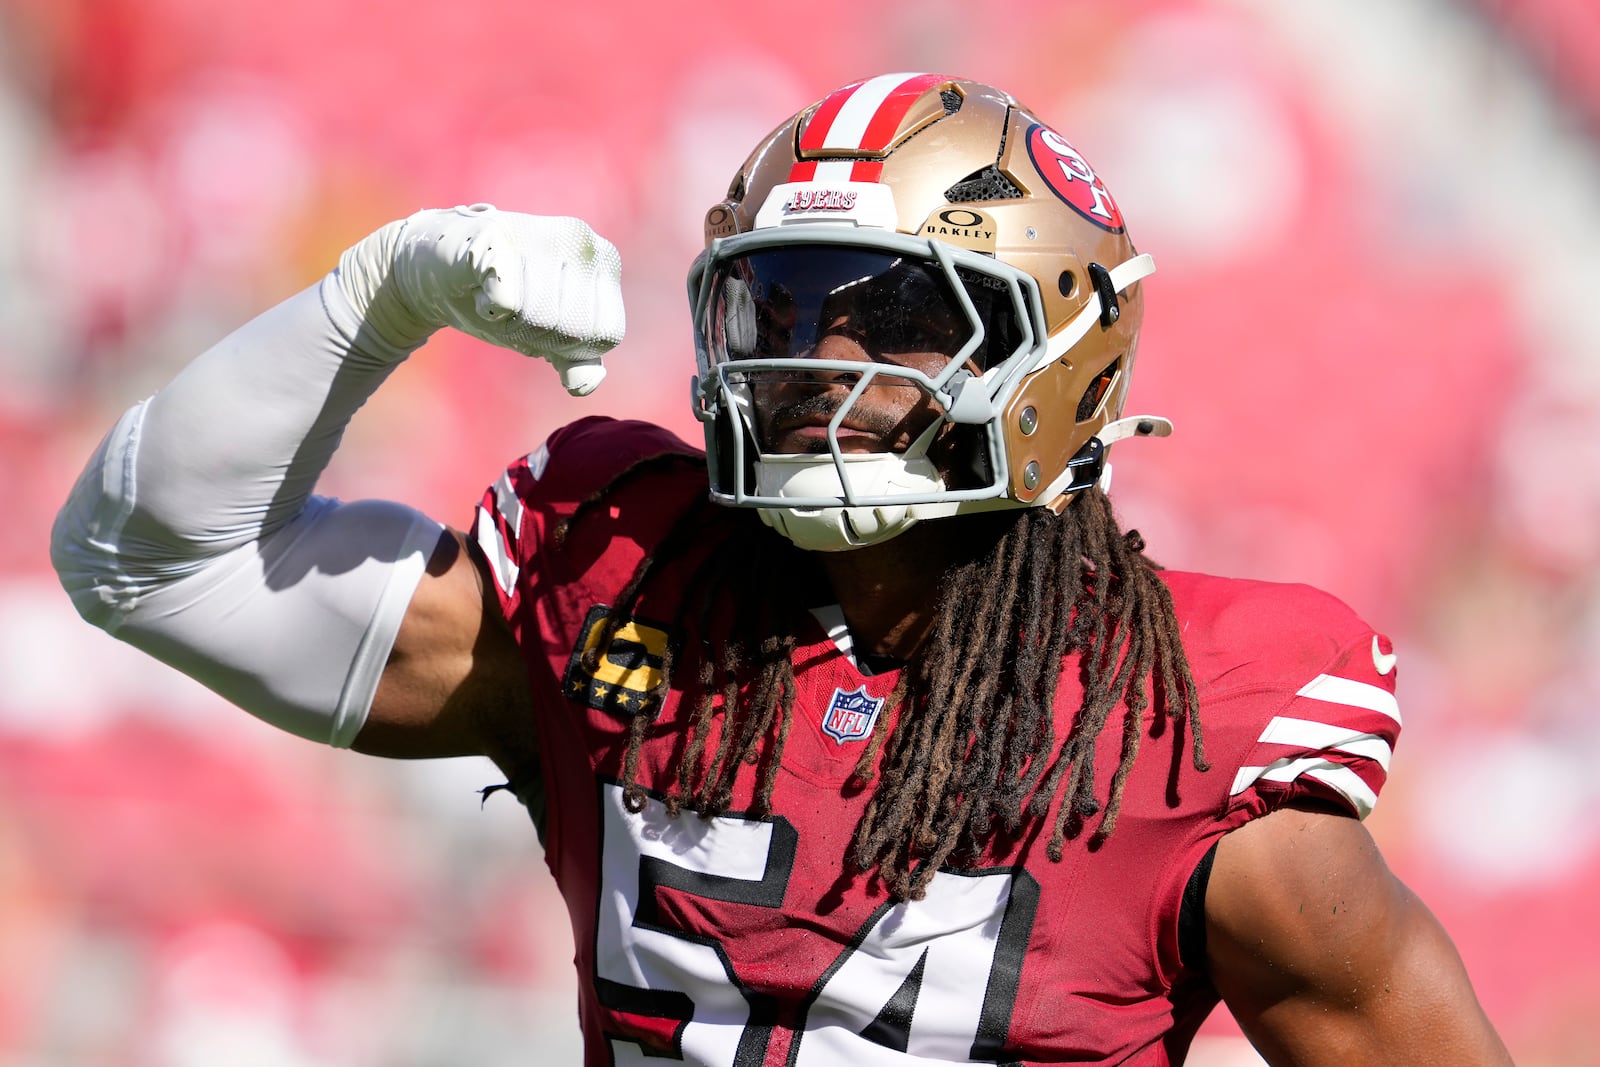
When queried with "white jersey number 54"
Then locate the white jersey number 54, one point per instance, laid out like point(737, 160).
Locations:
point(927, 981)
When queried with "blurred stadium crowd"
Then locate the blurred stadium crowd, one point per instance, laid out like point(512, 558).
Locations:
point(1378, 230)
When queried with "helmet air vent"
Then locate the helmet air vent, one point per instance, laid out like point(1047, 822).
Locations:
point(981, 185)
point(1089, 403)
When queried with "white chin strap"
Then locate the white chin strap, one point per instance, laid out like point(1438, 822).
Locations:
point(835, 529)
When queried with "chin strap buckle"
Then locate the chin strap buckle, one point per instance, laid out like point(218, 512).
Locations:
point(1106, 289)
point(1086, 466)
point(1089, 466)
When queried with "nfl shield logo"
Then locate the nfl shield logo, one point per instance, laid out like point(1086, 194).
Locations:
point(851, 715)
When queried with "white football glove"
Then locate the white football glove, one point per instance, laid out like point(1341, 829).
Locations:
point(545, 286)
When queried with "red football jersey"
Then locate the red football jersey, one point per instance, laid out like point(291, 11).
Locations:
point(738, 940)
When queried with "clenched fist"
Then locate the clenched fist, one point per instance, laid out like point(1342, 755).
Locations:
point(544, 286)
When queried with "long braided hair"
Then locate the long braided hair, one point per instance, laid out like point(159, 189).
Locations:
point(975, 751)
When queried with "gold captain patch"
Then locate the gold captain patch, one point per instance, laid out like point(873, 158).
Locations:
point(629, 668)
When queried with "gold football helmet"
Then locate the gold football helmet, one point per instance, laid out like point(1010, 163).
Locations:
point(970, 253)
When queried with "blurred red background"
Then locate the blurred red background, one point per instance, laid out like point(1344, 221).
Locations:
point(1378, 232)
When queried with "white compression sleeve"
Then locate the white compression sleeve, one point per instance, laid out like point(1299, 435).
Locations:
point(193, 534)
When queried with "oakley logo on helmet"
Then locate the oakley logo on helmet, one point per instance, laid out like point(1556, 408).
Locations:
point(1072, 179)
point(720, 222)
point(960, 217)
point(962, 227)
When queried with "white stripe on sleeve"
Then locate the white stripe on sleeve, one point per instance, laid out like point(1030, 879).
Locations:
point(1322, 736)
point(1335, 690)
point(539, 459)
point(1342, 780)
point(1348, 784)
point(495, 550)
point(508, 504)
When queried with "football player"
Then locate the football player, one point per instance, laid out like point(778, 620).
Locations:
point(861, 734)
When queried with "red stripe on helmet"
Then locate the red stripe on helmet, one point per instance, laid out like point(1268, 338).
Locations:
point(881, 130)
point(816, 131)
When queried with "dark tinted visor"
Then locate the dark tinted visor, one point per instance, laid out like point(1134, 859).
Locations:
point(780, 303)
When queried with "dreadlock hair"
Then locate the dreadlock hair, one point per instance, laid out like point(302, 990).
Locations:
point(975, 752)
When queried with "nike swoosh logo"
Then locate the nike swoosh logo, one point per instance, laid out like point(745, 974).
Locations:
point(1384, 663)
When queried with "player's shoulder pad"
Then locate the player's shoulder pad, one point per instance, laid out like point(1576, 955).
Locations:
point(538, 492)
point(1297, 692)
point(583, 456)
point(1247, 629)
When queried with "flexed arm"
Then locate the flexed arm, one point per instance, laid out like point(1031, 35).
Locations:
point(194, 533)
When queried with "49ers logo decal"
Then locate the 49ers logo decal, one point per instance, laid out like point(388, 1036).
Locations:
point(1072, 179)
